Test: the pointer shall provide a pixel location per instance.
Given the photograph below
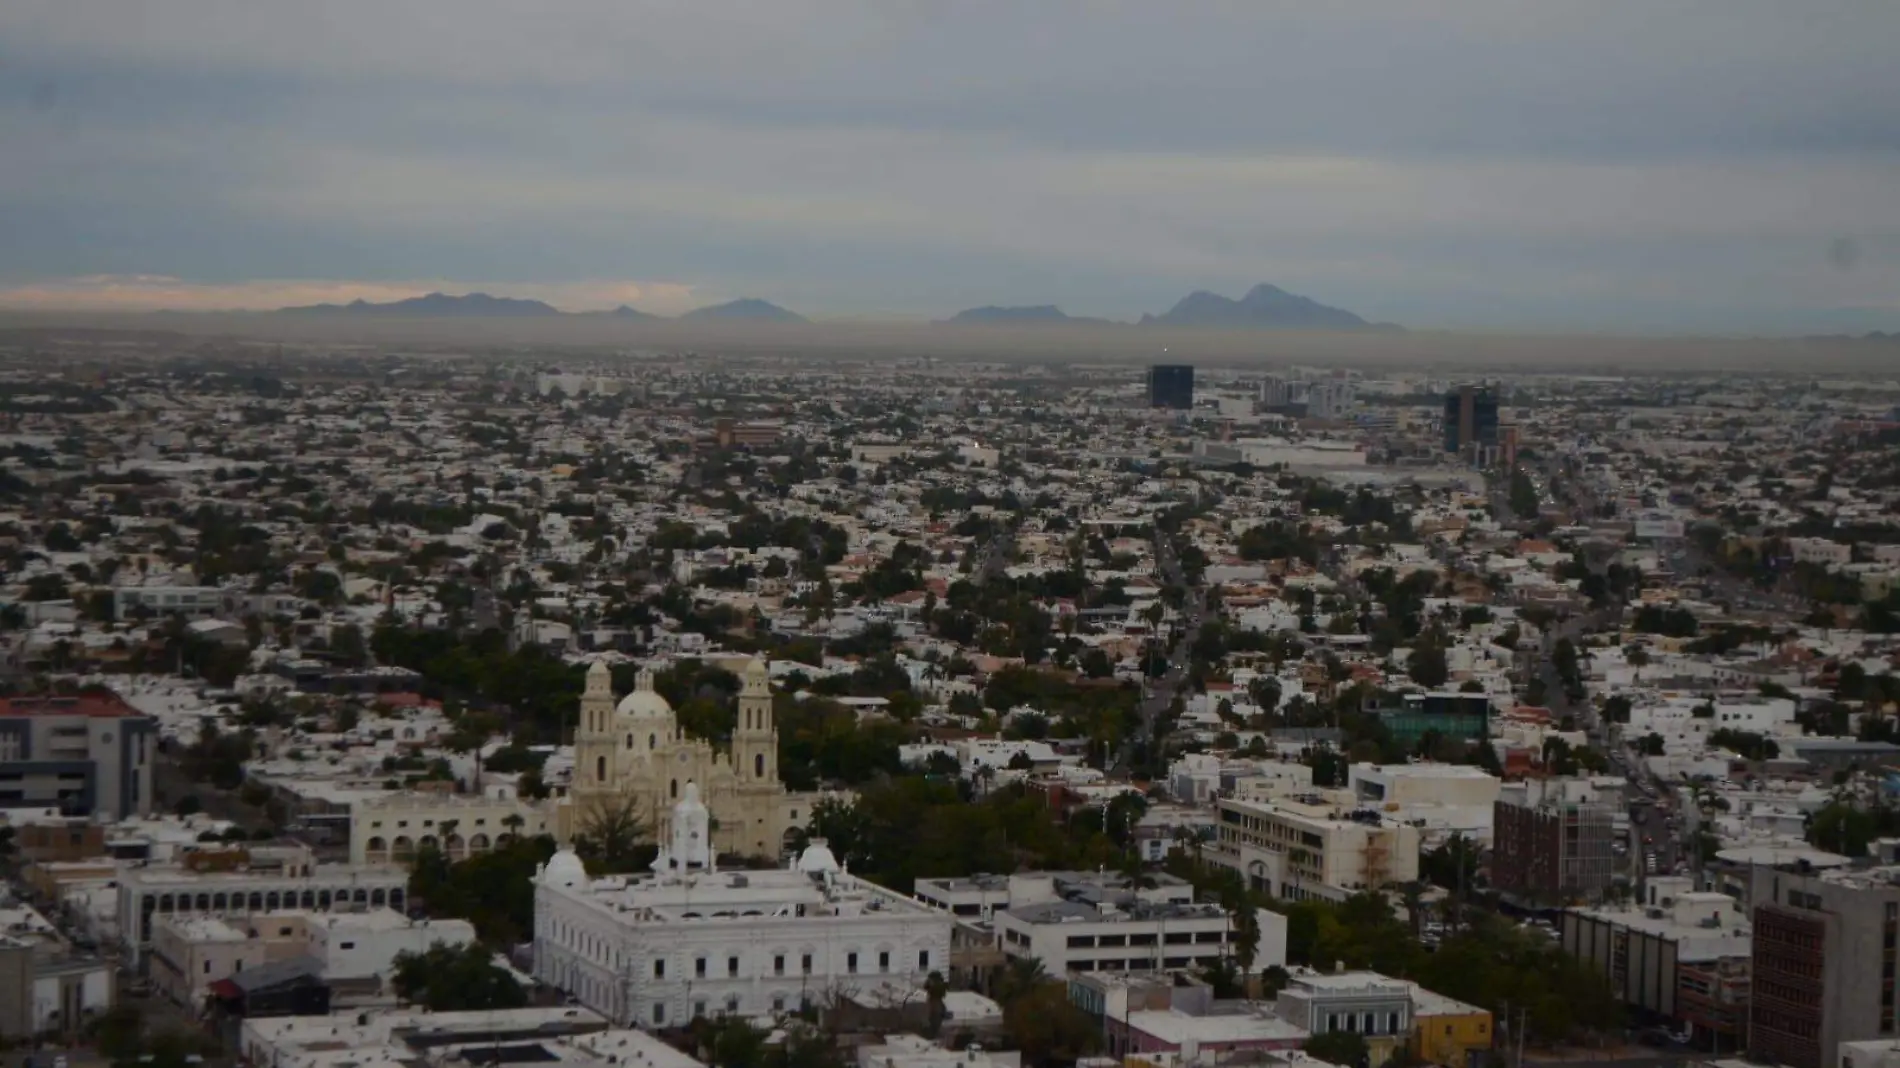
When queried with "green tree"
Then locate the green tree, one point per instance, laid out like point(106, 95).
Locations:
point(614, 837)
point(1345, 1048)
point(447, 978)
point(1047, 1027)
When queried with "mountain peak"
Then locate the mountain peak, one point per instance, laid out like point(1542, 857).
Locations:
point(745, 309)
point(1265, 307)
point(1024, 314)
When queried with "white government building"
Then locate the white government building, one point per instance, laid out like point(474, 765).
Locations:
point(690, 940)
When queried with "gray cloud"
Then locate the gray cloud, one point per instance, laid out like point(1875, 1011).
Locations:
point(1610, 164)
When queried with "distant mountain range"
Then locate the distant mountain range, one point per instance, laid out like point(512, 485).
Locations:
point(483, 306)
point(1264, 307)
point(434, 305)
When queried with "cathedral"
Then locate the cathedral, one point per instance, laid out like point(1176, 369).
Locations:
point(635, 752)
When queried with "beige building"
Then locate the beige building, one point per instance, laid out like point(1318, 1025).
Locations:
point(1318, 845)
point(189, 953)
point(392, 829)
point(635, 754)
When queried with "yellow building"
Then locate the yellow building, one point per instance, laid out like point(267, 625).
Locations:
point(633, 754)
point(1445, 1030)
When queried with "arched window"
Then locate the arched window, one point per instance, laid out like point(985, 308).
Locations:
point(653, 741)
point(600, 769)
point(675, 789)
point(758, 766)
point(629, 741)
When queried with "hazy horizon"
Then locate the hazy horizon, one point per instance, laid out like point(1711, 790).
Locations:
point(1608, 168)
point(592, 338)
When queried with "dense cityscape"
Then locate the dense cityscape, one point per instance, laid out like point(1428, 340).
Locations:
point(377, 705)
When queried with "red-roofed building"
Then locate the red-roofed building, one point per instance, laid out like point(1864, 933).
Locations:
point(87, 754)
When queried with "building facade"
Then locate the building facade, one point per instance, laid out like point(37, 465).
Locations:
point(146, 894)
point(1552, 840)
point(1471, 423)
point(691, 940)
point(392, 829)
point(1367, 1004)
point(634, 755)
point(87, 755)
point(1171, 386)
point(1823, 963)
point(1319, 845)
point(1134, 935)
point(1686, 960)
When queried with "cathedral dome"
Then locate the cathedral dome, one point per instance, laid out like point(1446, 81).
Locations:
point(644, 702)
point(817, 858)
point(564, 869)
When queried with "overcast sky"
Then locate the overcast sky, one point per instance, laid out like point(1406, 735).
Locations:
point(1728, 165)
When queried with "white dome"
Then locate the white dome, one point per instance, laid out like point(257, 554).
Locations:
point(644, 702)
point(817, 858)
point(565, 869)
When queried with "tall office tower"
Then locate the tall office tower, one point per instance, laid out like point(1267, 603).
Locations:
point(1471, 421)
point(1171, 385)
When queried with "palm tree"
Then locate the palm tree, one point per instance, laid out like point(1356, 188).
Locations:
point(1019, 977)
point(1412, 894)
point(935, 989)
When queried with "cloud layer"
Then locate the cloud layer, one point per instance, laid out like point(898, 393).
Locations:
point(1598, 165)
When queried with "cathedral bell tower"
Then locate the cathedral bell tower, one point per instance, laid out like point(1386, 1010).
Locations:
point(755, 736)
point(594, 739)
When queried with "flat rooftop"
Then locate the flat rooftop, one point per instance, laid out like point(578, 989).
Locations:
point(778, 894)
point(1178, 1028)
point(93, 705)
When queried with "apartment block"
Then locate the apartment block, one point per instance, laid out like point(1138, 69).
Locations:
point(1824, 961)
point(1552, 840)
point(88, 754)
point(1325, 844)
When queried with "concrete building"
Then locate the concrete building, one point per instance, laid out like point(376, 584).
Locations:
point(982, 896)
point(145, 895)
point(192, 953)
point(563, 1035)
point(1681, 955)
point(1439, 799)
point(1552, 840)
point(1366, 1003)
point(364, 945)
point(1332, 399)
point(87, 755)
point(910, 1051)
point(691, 940)
point(1823, 963)
point(44, 994)
point(1132, 935)
point(189, 953)
point(392, 828)
point(1324, 844)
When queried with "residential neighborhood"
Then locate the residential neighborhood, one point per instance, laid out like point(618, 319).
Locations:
point(371, 705)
